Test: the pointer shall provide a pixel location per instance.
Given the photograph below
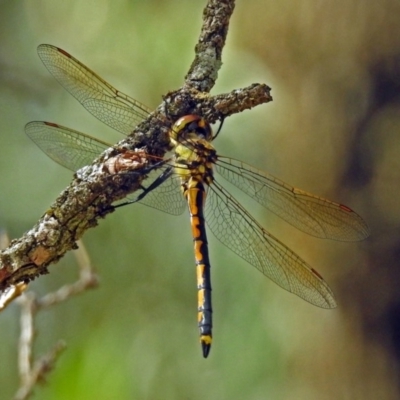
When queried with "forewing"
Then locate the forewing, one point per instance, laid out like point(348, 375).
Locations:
point(106, 103)
point(67, 147)
point(309, 213)
point(236, 228)
point(74, 150)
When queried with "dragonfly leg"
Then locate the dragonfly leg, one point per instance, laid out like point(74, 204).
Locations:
point(146, 190)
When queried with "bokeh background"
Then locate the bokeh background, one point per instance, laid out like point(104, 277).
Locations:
point(333, 129)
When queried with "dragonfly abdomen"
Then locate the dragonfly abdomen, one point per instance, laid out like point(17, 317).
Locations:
point(195, 195)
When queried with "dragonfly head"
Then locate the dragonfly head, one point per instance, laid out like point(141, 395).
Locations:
point(191, 127)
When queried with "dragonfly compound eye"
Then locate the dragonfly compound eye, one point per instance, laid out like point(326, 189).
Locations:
point(189, 126)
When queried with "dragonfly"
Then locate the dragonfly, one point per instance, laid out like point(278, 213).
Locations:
point(190, 179)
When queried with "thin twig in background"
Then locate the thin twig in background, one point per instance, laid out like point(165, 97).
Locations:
point(33, 371)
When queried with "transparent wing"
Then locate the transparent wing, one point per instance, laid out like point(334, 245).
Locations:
point(73, 150)
point(311, 214)
point(106, 103)
point(166, 197)
point(236, 228)
point(69, 148)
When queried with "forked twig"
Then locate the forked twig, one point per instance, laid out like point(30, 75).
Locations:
point(90, 196)
point(33, 372)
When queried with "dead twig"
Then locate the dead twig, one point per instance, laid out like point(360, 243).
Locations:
point(92, 192)
point(33, 372)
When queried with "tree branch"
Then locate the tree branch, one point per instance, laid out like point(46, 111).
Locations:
point(96, 187)
point(204, 70)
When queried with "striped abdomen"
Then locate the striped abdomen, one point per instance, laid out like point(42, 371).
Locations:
point(195, 195)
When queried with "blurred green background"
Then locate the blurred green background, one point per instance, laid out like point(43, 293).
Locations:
point(333, 129)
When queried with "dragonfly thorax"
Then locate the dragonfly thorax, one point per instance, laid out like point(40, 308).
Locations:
point(194, 159)
point(194, 154)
